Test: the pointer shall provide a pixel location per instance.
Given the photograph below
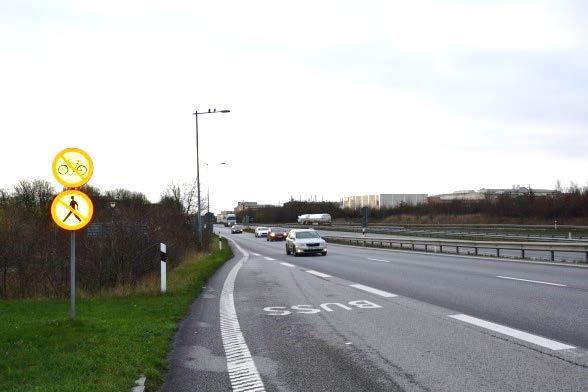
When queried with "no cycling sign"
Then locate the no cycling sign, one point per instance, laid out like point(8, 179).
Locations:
point(72, 209)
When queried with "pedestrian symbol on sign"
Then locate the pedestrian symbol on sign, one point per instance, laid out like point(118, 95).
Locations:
point(72, 210)
point(74, 205)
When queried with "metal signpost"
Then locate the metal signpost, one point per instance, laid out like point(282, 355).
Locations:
point(72, 209)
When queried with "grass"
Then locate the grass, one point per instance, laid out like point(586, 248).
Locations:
point(112, 341)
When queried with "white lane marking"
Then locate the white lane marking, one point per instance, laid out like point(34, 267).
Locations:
point(515, 333)
point(532, 281)
point(288, 264)
point(243, 373)
point(319, 274)
point(385, 261)
point(269, 258)
point(255, 254)
point(373, 291)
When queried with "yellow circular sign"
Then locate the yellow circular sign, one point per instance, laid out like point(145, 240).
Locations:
point(72, 210)
point(72, 167)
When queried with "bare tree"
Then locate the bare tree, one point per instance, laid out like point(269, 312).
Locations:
point(182, 195)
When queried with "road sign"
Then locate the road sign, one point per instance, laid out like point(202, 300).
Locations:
point(72, 167)
point(72, 210)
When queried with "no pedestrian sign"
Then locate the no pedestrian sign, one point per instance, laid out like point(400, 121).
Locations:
point(72, 167)
point(72, 210)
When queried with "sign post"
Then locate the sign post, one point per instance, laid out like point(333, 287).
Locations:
point(72, 275)
point(72, 209)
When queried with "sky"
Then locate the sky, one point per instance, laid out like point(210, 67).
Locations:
point(327, 98)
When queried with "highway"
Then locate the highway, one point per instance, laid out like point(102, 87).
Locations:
point(363, 319)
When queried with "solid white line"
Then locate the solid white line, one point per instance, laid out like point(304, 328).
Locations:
point(515, 333)
point(239, 360)
point(532, 281)
point(288, 264)
point(269, 258)
point(319, 274)
point(373, 291)
point(385, 261)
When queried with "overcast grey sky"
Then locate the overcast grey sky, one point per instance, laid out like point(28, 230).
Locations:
point(327, 98)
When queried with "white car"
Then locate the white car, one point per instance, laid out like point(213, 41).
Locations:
point(261, 232)
point(305, 241)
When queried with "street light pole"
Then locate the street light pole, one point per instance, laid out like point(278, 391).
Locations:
point(198, 217)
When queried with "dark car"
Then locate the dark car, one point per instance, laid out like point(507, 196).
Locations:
point(276, 234)
point(237, 229)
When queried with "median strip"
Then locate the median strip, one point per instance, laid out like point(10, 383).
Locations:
point(532, 281)
point(373, 290)
point(515, 333)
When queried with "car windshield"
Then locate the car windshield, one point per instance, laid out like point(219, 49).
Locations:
point(262, 228)
point(278, 230)
point(307, 234)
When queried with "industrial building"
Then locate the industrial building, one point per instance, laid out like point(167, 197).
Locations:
point(245, 205)
point(250, 205)
point(488, 194)
point(383, 200)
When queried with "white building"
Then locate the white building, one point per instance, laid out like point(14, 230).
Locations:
point(383, 200)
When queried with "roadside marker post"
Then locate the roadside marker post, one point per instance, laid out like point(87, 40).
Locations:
point(163, 253)
point(72, 210)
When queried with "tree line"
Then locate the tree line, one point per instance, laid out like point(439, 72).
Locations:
point(571, 204)
point(119, 246)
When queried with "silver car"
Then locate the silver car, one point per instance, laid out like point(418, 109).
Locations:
point(305, 241)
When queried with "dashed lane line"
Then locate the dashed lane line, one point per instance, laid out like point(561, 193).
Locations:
point(269, 258)
point(288, 264)
point(255, 254)
point(515, 333)
point(531, 281)
point(319, 274)
point(385, 261)
point(372, 290)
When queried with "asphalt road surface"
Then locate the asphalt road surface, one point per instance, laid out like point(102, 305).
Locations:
point(363, 319)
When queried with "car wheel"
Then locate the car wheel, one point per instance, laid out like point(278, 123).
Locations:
point(324, 253)
point(287, 250)
point(294, 251)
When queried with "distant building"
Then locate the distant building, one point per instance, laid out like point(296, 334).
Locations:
point(250, 205)
point(457, 195)
point(490, 194)
point(383, 200)
point(245, 205)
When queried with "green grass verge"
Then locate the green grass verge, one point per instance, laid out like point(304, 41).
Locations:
point(111, 342)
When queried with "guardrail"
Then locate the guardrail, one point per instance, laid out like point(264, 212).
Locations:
point(459, 245)
point(406, 231)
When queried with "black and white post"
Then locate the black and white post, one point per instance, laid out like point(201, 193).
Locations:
point(163, 253)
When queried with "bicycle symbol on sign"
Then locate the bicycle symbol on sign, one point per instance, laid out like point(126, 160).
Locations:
point(80, 169)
